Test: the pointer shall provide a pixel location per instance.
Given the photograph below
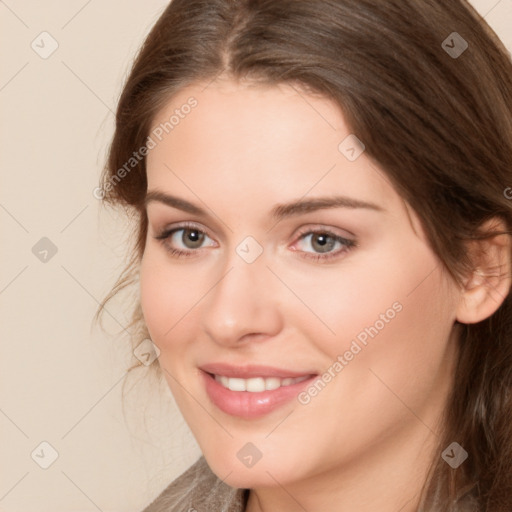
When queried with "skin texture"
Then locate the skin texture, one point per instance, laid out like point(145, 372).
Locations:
point(366, 439)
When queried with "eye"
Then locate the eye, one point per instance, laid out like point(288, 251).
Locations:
point(184, 240)
point(323, 243)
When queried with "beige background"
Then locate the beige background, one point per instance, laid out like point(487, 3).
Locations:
point(60, 381)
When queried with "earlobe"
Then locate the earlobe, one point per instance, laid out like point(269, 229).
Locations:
point(489, 284)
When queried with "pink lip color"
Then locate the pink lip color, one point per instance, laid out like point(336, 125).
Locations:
point(252, 370)
point(246, 404)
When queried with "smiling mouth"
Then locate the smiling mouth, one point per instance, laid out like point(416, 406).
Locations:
point(254, 396)
point(256, 384)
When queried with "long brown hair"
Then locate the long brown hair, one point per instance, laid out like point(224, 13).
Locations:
point(434, 110)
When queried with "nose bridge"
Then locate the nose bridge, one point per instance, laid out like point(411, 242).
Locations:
point(241, 301)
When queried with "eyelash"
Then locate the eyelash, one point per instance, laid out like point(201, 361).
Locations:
point(347, 244)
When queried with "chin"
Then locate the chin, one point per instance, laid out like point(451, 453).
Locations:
point(266, 472)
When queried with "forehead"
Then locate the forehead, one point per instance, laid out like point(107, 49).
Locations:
point(255, 142)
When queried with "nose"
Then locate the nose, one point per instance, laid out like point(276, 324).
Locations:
point(243, 305)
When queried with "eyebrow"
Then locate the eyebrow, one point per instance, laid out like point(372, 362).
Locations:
point(278, 212)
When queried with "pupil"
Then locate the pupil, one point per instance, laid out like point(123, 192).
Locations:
point(192, 238)
point(322, 242)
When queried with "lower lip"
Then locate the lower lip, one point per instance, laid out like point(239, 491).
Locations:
point(247, 404)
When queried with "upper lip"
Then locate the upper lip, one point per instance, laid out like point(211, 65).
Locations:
point(252, 370)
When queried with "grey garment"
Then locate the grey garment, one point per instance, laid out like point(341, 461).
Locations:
point(199, 490)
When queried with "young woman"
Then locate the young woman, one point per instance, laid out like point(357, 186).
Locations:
point(324, 207)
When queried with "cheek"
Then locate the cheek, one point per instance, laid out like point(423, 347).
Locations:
point(401, 368)
point(390, 315)
point(395, 355)
point(361, 299)
point(152, 296)
point(165, 293)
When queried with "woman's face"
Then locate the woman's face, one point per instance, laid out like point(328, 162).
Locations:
point(300, 261)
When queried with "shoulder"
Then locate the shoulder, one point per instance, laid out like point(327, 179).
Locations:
point(198, 489)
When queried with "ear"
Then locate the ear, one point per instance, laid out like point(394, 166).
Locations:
point(489, 284)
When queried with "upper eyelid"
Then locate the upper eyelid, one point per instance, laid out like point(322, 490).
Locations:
point(319, 228)
point(307, 230)
point(155, 204)
point(187, 225)
point(192, 224)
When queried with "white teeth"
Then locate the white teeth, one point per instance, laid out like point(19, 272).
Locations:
point(272, 383)
point(236, 384)
point(256, 384)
